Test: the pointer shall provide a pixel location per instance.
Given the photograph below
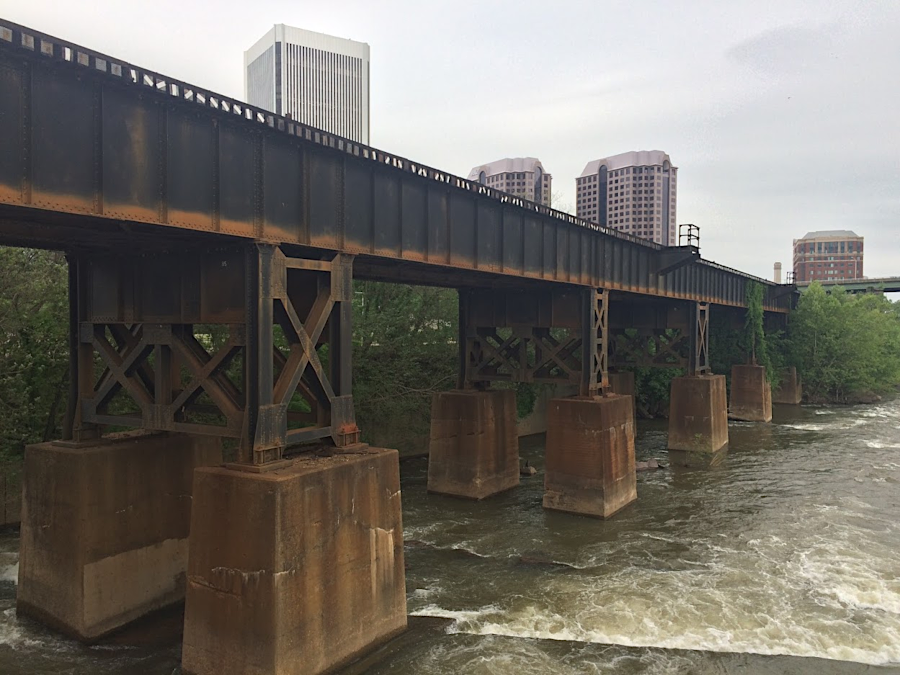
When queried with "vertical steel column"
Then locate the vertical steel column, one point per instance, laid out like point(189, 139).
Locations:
point(462, 338)
point(594, 342)
point(344, 430)
point(74, 319)
point(81, 353)
point(699, 327)
point(265, 425)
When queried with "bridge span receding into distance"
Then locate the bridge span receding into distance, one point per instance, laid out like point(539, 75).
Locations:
point(865, 285)
point(181, 209)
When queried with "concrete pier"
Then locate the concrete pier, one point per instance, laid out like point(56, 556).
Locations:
point(590, 456)
point(474, 447)
point(698, 420)
point(104, 536)
point(297, 570)
point(790, 391)
point(751, 395)
point(623, 383)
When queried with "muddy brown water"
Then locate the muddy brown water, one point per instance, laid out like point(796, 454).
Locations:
point(784, 560)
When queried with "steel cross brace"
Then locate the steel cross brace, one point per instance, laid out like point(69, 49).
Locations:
point(595, 328)
point(699, 355)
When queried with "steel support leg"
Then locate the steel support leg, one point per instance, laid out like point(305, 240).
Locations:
point(594, 343)
point(699, 327)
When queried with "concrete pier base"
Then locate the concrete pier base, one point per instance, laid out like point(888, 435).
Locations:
point(790, 391)
point(474, 447)
point(104, 536)
point(296, 570)
point(590, 456)
point(622, 383)
point(698, 421)
point(751, 395)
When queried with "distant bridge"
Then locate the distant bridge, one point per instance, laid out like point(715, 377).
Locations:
point(878, 285)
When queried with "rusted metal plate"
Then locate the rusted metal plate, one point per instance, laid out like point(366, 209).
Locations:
point(12, 132)
point(64, 167)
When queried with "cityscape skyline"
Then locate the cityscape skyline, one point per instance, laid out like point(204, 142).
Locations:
point(742, 96)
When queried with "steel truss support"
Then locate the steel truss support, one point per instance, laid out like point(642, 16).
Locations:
point(698, 363)
point(515, 353)
point(649, 348)
point(594, 343)
point(242, 361)
point(565, 342)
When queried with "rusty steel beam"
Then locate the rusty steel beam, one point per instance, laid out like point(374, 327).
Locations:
point(90, 139)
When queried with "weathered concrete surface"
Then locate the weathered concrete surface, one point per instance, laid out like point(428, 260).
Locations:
point(751, 395)
point(296, 570)
point(623, 383)
point(790, 391)
point(590, 456)
point(104, 536)
point(698, 420)
point(474, 448)
point(10, 494)
point(536, 421)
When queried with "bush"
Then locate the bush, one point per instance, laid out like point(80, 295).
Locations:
point(845, 346)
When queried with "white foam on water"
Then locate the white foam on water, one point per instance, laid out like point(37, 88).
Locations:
point(878, 445)
point(10, 573)
point(772, 637)
point(807, 426)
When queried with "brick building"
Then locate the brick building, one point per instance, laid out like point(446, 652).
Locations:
point(828, 255)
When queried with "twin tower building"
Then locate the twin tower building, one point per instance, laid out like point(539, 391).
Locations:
point(323, 81)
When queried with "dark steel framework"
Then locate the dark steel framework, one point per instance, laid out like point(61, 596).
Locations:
point(223, 344)
point(212, 247)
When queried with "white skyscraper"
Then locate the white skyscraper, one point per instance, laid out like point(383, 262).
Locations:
point(633, 192)
point(317, 79)
point(519, 176)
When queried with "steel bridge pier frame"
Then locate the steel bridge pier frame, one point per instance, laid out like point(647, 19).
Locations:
point(698, 410)
point(590, 467)
point(247, 344)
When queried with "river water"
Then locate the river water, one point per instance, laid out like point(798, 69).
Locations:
point(784, 560)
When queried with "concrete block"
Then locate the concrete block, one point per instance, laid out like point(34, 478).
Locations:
point(474, 447)
point(698, 420)
point(104, 537)
point(10, 494)
point(623, 383)
point(790, 391)
point(590, 456)
point(297, 570)
point(751, 395)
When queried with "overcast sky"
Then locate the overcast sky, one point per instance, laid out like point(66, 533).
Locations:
point(782, 116)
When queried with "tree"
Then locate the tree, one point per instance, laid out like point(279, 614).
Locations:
point(33, 347)
point(404, 351)
point(845, 346)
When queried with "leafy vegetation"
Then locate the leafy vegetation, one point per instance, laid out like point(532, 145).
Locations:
point(33, 348)
point(846, 347)
point(404, 350)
